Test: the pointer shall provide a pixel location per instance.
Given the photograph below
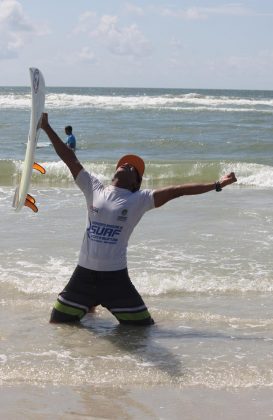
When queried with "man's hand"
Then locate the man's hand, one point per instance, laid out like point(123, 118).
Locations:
point(228, 179)
point(44, 121)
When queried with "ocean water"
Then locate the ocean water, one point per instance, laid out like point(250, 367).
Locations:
point(203, 264)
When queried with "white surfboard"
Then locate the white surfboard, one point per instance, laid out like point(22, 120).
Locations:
point(21, 196)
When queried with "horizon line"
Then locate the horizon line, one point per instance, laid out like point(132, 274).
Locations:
point(138, 87)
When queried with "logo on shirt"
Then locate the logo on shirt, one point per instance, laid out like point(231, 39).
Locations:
point(123, 216)
point(101, 232)
point(94, 210)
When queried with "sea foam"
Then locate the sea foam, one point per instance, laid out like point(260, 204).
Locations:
point(157, 173)
point(189, 101)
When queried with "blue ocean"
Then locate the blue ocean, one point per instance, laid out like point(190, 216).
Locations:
point(203, 264)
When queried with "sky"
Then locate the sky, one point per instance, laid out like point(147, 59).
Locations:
point(153, 43)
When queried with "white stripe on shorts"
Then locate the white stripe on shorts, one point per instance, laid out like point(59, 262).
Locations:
point(133, 309)
point(76, 305)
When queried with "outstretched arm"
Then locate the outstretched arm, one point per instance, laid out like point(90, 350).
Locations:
point(163, 195)
point(62, 150)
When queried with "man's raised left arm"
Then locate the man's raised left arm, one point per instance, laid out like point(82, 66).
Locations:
point(163, 195)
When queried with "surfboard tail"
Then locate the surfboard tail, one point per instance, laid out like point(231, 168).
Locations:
point(29, 200)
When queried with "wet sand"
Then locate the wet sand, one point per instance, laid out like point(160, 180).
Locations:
point(191, 403)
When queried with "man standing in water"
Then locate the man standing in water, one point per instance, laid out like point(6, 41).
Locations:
point(101, 276)
point(71, 140)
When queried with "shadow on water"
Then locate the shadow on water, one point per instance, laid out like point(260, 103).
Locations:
point(141, 341)
point(146, 342)
point(157, 346)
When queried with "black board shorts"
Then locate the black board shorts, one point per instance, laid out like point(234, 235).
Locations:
point(111, 289)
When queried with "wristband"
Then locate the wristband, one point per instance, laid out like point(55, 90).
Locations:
point(218, 186)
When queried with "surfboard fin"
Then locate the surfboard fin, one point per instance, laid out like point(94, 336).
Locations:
point(30, 202)
point(39, 168)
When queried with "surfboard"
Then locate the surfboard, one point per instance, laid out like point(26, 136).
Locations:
point(21, 196)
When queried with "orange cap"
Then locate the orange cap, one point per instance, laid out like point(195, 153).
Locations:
point(133, 160)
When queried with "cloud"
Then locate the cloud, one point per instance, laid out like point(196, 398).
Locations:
point(86, 21)
point(12, 15)
point(87, 55)
point(133, 9)
point(240, 68)
point(15, 29)
point(192, 13)
point(118, 40)
point(201, 13)
point(258, 63)
point(176, 48)
point(127, 40)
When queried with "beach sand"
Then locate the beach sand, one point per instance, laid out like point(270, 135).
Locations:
point(194, 403)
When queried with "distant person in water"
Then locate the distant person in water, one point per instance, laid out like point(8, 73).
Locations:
point(71, 140)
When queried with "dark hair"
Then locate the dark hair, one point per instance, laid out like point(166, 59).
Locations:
point(68, 128)
point(139, 178)
point(139, 181)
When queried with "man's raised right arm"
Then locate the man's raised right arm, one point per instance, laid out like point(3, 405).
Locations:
point(63, 151)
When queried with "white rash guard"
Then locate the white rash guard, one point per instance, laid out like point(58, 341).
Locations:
point(113, 214)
